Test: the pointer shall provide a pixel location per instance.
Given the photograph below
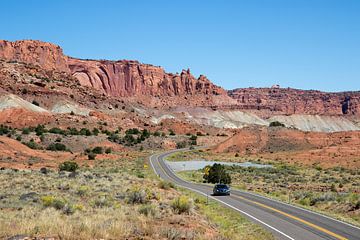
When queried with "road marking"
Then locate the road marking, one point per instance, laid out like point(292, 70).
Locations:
point(295, 218)
point(230, 206)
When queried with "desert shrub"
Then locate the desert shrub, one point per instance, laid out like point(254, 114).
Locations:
point(85, 132)
point(166, 185)
point(113, 137)
point(132, 131)
point(68, 166)
point(157, 134)
point(32, 144)
point(276, 124)
point(216, 174)
point(83, 190)
point(26, 131)
point(72, 131)
point(56, 130)
point(182, 204)
point(40, 130)
point(137, 196)
point(193, 137)
point(56, 147)
point(4, 129)
point(180, 145)
point(108, 150)
point(35, 103)
point(148, 210)
point(103, 201)
point(47, 201)
point(171, 132)
point(95, 131)
point(145, 133)
point(91, 156)
point(97, 150)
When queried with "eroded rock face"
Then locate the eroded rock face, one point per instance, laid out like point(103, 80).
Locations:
point(287, 101)
point(131, 78)
point(115, 78)
point(48, 56)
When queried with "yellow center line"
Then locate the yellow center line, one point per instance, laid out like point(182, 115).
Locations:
point(295, 218)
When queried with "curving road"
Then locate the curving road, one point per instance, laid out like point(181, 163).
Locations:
point(283, 220)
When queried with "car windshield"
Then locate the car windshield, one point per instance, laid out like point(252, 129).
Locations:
point(222, 186)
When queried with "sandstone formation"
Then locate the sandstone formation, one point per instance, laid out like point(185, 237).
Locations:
point(115, 78)
point(153, 87)
point(48, 56)
point(287, 101)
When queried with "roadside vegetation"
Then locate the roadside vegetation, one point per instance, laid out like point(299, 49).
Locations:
point(332, 191)
point(114, 199)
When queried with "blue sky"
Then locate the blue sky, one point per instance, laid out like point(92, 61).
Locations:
point(312, 44)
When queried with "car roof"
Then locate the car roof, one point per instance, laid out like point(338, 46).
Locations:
point(221, 185)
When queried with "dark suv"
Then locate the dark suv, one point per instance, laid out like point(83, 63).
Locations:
point(221, 189)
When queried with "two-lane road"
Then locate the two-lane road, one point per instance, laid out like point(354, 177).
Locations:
point(283, 220)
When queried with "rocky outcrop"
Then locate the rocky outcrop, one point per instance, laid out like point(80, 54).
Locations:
point(48, 56)
point(287, 101)
point(131, 78)
point(115, 78)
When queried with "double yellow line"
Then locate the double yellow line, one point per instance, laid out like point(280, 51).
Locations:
point(337, 236)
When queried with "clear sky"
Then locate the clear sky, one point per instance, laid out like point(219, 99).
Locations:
point(308, 44)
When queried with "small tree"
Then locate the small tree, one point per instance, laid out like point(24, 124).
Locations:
point(217, 174)
point(97, 150)
point(68, 166)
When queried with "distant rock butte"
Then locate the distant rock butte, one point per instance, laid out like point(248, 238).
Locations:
point(130, 78)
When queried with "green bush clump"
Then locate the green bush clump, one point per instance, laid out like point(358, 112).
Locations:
point(182, 204)
point(108, 150)
point(134, 131)
point(276, 124)
point(180, 145)
point(148, 210)
point(137, 196)
point(56, 147)
point(68, 166)
point(4, 129)
point(35, 103)
point(26, 131)
point(97, 150)
point(32, 144)
point(56, 130)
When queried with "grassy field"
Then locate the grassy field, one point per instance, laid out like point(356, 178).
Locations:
point(114, 199)
point(333, 191)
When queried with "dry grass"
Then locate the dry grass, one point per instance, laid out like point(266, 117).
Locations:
point(115, 199)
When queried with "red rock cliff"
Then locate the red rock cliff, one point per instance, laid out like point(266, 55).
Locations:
point(129, 78)
point(116, 78)
point(46, 55)
point(293, 101)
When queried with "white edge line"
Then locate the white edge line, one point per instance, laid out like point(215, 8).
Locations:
point(230, 206)
point(300, 208)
